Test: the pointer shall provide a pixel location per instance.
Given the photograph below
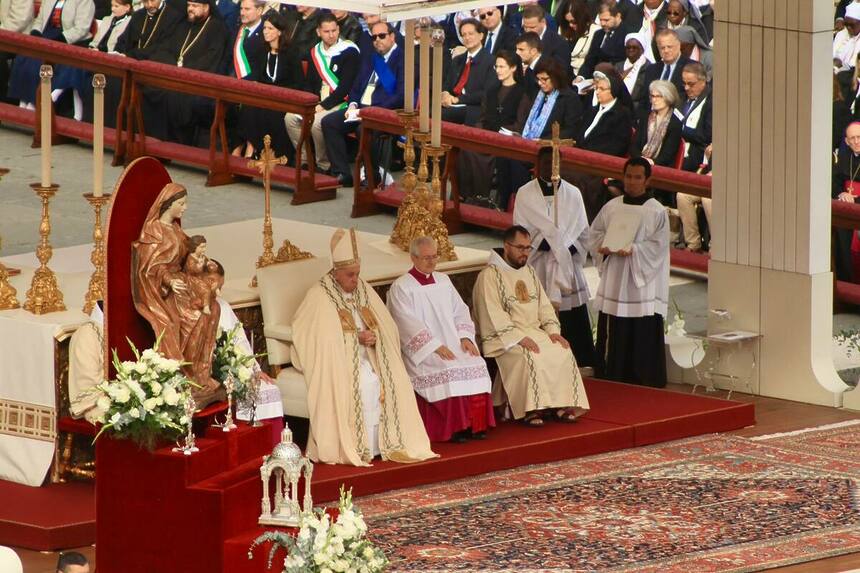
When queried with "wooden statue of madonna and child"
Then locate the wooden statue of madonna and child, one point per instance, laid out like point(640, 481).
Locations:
point(174, 287)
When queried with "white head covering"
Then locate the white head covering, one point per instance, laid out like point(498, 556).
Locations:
point(853, 11)
point(643, 41)
point(9, 561)
point(344, 249)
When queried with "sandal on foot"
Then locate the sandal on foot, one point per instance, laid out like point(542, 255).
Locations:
point(566, 416)
point(533, 420)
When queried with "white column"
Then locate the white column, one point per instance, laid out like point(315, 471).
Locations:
point(770, 251)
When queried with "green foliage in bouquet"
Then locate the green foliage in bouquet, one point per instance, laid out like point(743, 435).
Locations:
point(231, 359)
point(145, 403)
point(325, 547)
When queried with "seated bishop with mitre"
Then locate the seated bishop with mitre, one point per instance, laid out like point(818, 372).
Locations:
point(360, 398)
point(519, 328)
point(438, 341)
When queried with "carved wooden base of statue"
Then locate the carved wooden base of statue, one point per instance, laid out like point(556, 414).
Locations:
point(44, 295)
point(97, 287)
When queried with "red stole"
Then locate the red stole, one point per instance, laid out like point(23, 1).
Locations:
point(422, 279)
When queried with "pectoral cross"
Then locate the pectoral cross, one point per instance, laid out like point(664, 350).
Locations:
point(556, 142)
point(265, 165)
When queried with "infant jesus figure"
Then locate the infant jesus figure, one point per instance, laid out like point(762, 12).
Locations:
point(205, 276)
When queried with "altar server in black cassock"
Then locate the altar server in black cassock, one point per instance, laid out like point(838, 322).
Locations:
point(632, 298)
point(200, 43)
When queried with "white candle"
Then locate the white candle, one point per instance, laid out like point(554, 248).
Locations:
point(409, 63)
point(98, 134)
point(436, 127)
point(46, 73)
point(424, 88)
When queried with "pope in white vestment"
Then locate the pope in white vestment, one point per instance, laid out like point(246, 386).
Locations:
point(360, 398)
point(437, 339)
point(633, 295)
point(518, 327)
point(558, 226)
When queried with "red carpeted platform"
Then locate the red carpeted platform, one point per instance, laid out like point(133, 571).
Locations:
point(204, 508)
point(48, 518)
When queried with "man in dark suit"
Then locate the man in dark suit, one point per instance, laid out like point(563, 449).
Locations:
point(608, 43)
point(553, 46)
point(696, 115)
point(148, 28)
point(528, 47)
point(468, 76)
point(248, 39)
point(379, 83)
point(670, 66)
point(498, 36)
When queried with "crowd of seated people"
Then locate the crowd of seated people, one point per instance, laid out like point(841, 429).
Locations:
point(621, 77)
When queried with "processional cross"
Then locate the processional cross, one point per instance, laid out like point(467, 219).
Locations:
point(556, 142)
point(265, 165)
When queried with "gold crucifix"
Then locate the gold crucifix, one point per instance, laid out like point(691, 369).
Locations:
point(556, 142)
point(265, 165)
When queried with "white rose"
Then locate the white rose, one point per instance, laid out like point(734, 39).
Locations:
point(134, 413)
point(134, 386)
point(128, 365)
point(149, 354)
point(171, 396)
point(141, 367)
point(156, 388)
point(115, 418)
point(245, 373)
point(340, 566)
point(121, 395)
point(319, 558)
point(368, 552)
point(325, 570)
point(183, 420)
point(150, 403)
point(103, 403)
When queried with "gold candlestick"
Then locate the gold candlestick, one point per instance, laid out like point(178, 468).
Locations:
point(436, 153)
point(98, 284)
point(8, 293)
point(44, 295)
point(407, 119)
point(423, 139)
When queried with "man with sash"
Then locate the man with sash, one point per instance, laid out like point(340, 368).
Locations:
point(518, 327)
point(334, 64)
point(360, 398)
point(554, 213)
point(379, 83)
point(630, 247)
point(249, 38)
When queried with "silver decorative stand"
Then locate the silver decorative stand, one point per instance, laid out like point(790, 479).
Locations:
point(228, 424)
point(188, 448)
point(251, 400)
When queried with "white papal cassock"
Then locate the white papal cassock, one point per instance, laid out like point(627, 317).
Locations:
point(510, 304)
point(429, 313)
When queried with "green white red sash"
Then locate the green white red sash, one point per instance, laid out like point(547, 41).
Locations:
point(322, 62)
point(240, 59)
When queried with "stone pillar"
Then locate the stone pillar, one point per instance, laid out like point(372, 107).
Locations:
point(770, 252)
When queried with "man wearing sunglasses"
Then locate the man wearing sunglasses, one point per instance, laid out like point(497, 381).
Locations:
point(379, 83)
point(498, 36)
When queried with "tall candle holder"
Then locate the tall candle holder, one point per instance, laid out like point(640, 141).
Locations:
point(409, 179)
point(98, 284)
point(44, 295)
point(436, 153)
point(228, 424)
point(423, 139)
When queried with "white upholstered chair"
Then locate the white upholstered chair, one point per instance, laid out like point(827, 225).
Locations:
point(282, 289)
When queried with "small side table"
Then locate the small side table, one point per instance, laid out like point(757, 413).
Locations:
point(730, 343)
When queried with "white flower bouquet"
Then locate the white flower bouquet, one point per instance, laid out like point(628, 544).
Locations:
point(146, 401)
point(231, 359)
point(323, 546)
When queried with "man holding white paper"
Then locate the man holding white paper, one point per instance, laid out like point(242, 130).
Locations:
point(630, 246)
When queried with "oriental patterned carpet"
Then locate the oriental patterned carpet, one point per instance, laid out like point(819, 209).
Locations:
point(711, 503)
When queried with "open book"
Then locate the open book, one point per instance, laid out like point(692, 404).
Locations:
point(622, 228)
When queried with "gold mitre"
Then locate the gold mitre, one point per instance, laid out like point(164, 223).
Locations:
point(344, 249)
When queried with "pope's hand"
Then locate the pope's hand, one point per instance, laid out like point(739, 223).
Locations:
point(559, 339)
point(529, 344)
point(445, 353)
point(367, 338)
point(468, 347)
point(846, 197)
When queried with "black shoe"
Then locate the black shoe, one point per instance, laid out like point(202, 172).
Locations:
point(459, 437)
point(344, 180)
point(479, 435)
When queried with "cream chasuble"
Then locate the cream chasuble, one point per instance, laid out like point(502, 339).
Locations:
point(559, 271)
point(427, 317)
point(325, 335)
point(510, 304)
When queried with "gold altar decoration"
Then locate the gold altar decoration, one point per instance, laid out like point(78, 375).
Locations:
point(98, 284)
point(288, 252)
point(287, 465)
point(44, 295)
point(8, 293)
point(407, 119)
point(420, 213)
point(555, 143)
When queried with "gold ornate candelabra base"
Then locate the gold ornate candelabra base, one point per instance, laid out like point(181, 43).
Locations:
point(407, 119)
point(44, 295)
point(98, 282)
point(8, 293)
point(423, 139)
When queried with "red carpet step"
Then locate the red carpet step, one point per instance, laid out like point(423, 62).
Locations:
point(56, 516)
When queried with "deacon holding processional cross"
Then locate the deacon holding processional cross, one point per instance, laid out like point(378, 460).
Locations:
point(554, 213)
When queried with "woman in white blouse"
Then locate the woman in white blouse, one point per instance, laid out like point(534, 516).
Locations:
point(577, 27)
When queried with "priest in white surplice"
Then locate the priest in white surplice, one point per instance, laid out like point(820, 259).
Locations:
point(559, 234)
point(634, 285)
point(360, 398)
point(437, 338)
point(518, 327)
